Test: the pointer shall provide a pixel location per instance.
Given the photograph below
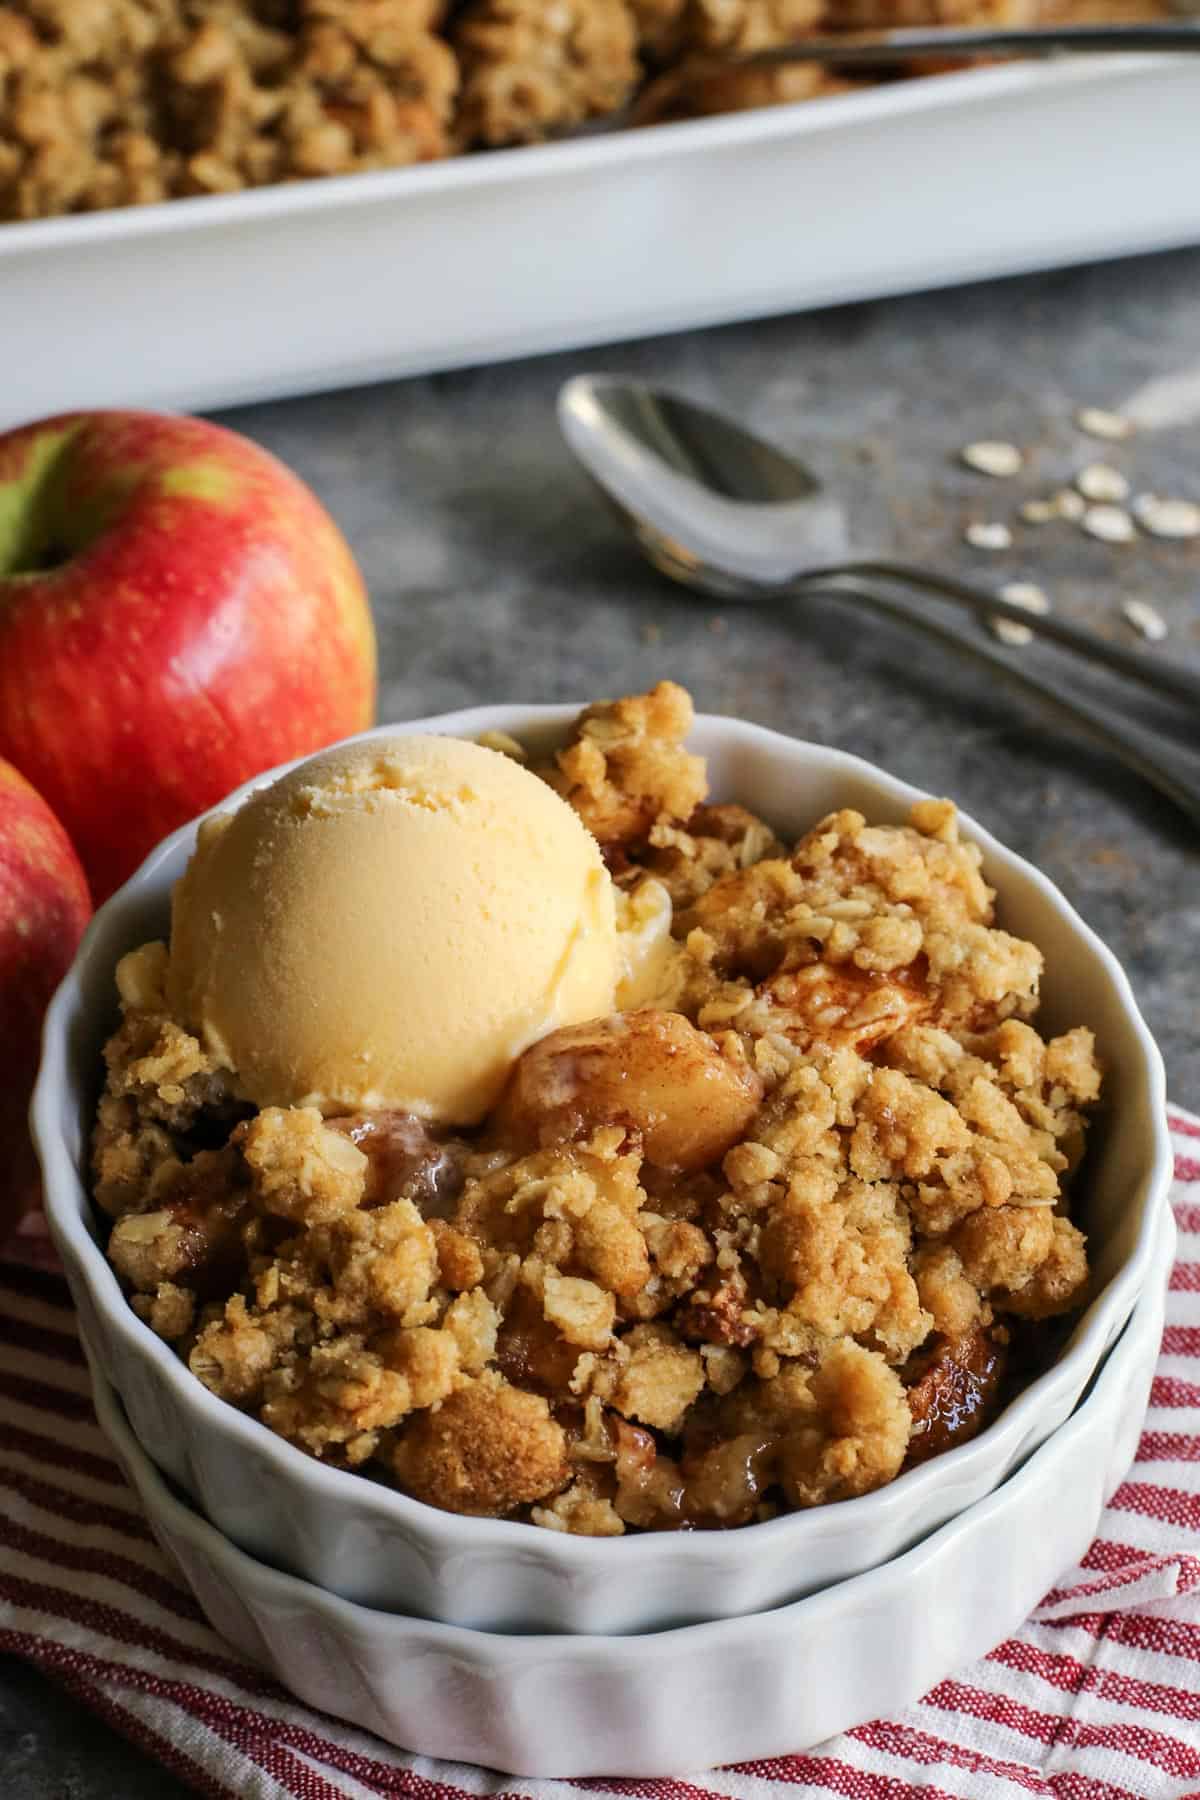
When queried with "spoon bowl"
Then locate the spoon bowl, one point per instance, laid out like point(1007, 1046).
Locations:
point(705, 499)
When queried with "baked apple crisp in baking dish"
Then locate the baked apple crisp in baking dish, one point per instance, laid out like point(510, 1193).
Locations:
point(756, 1194)
point(107, 103)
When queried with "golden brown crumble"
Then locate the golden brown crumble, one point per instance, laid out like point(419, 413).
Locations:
point(488, 1448)
point(119, 102)
point(754, 1246)
point(743, 25)
point(624, 767)
point(529, 69)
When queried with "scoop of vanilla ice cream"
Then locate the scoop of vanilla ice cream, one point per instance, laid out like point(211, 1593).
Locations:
point(390, 925)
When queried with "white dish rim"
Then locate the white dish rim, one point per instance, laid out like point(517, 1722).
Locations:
point(1096, 1330)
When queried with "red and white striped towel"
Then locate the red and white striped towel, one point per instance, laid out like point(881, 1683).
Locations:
point(1096, 1698)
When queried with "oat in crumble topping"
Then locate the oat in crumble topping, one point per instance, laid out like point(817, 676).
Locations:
point(799, 1221)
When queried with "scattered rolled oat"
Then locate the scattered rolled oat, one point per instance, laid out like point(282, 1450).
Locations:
point(1039, 512)
point(1111, 524)
point(1146, 619)
point(1100, 482)
point(1099, 423)
point(992, 457)
point(1011, 631)
point(1069, 505)
point(1025, 594)
point(988, 535)
point(1166, 518)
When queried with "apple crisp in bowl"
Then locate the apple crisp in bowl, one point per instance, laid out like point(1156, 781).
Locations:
point(837, 1209)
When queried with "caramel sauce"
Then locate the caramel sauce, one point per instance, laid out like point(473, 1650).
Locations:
point(407, 1161)
point(530, 1352)
point(956, 1393)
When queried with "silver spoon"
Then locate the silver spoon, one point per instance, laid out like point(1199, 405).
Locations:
point(912, 44)
point(727, 514)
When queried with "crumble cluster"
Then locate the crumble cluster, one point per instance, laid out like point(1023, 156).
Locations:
point(753, 1247)
point(121, 102)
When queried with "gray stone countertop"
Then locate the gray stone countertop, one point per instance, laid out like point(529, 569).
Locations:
point(496, 575)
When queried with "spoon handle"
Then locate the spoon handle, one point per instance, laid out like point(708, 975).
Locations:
point(1150, 672)
point(951, 40)
point(1173, 772)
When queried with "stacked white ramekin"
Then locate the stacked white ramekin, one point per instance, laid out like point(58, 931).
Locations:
point(545, 1654)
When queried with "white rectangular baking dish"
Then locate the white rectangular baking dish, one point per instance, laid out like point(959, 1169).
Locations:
point(211, 302)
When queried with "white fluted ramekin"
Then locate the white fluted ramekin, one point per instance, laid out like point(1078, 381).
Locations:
point(772, 1684)
point(367, 1542)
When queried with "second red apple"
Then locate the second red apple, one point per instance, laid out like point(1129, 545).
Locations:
point(43, 909)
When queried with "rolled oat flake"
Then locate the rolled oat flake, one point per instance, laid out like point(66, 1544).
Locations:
point(991, 457)
point(1111, 524)
point(1101, 483)
point(1025, 594)
point(989, 534)
point(1145, 618)
point(1011, 631)
point(1099, 423)
point(1165, 518)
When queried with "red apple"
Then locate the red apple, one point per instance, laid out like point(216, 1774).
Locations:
point(177, 612)
point(44, 907)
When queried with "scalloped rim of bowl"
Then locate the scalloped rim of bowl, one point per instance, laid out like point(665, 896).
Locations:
point(68, 1205)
